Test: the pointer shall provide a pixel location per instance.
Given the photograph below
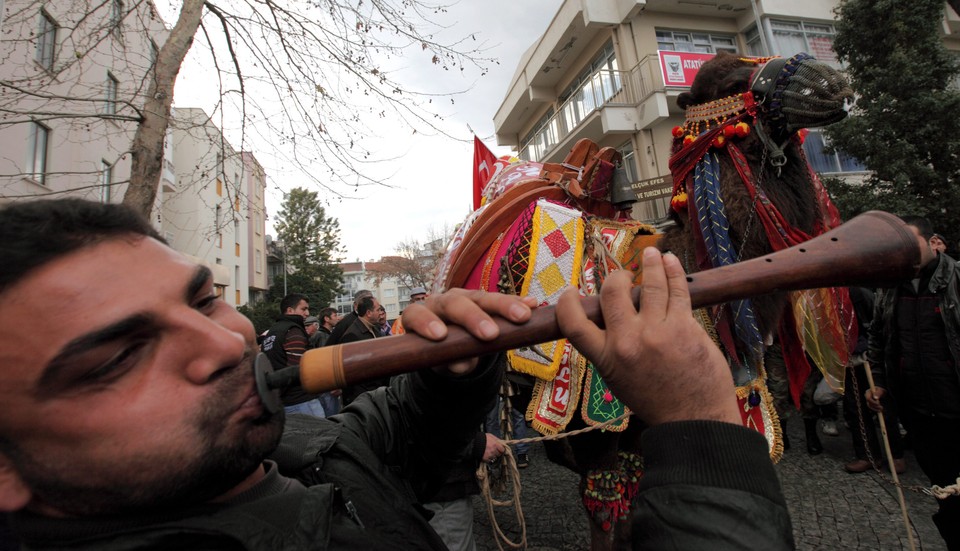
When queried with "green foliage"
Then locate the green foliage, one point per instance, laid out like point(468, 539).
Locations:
point(312, 246)
point(904, 123)
point(262, 314)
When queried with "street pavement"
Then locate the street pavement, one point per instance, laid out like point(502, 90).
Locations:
point(830, 509)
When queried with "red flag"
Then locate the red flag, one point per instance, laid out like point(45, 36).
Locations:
point(483, 169)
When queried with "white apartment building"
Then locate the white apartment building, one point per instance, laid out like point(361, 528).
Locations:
point(611, 70)
point(71, 78)
point(254, 192)
point(82, 67)
point(392, 294)
point(216, 210)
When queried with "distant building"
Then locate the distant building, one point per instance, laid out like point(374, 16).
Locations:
point(216, 213)
point(254, 187)
point(393, 295)
point(611, 71)
point(71, 135)
point(72, 131)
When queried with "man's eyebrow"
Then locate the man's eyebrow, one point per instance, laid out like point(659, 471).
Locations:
point(200, 278)
point(133, 325)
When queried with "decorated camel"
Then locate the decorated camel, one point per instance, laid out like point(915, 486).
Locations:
point(742, 188)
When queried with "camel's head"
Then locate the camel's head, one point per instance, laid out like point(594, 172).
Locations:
point(784, 94)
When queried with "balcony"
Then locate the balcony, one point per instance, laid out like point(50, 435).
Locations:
point(609, 102)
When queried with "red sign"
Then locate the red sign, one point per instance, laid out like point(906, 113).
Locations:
point(679, 68)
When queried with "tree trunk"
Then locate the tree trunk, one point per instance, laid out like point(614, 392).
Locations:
point(147, 149)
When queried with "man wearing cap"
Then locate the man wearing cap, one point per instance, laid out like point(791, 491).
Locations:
point(938, 243)
point(417, 294)
point(311, 324)
point(285, 343)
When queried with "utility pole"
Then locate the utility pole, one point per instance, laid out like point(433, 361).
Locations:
point(284, 268)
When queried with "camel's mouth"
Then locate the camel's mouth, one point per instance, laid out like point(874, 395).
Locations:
point(815, 95)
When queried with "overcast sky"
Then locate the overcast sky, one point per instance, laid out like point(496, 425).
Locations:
point(431, 177)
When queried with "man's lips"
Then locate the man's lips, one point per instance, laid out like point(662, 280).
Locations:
point(251, 403)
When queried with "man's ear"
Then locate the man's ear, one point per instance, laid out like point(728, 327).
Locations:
point(14, 493)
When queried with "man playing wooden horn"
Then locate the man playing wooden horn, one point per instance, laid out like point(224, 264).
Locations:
point(138, 425)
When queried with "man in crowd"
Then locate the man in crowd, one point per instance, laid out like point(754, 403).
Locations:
point(382, 321)
point(938, 243)
point(312, 325)
point(914, 352)
point(366, 326)
point(328, 320)
point(285, 343)
point(138, 425)
point(417, 294)
point(346, 321)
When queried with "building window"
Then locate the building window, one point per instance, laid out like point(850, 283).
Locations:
point(541, 137)
point(46, 41)
point(219, 188)
point(37, 162)
point(106, 181)
point(699, 42)
point(236, 283)
point(791, 37)
point(258, 261)
point(596, 84)
point(110, 108)
point(236, 204)
point(237, 249)
point(815, 146)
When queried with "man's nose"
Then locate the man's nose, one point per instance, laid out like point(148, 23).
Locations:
point(211, 346)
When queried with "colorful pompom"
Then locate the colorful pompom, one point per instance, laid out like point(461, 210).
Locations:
point(688, 139)
point(719, 141)
point(743, 129)
point(729, 131)
point(679, 201)
point(678, 131)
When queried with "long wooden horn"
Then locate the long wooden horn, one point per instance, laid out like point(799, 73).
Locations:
point(873, 249)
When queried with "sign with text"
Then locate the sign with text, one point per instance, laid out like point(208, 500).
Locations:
point(653, 188)
point(679, 68)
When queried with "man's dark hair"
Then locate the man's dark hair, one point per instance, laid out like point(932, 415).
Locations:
point(326, 313)
point(365, 305)
point(922, 224)
point(291, 301)
point(33, 233)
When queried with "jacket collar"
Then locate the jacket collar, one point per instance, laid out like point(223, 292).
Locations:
point(941, 276)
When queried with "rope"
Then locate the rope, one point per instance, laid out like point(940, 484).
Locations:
point(893, 470)
point(513, 473)
point(939, 492)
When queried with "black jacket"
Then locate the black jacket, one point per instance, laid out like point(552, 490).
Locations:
point(273, 346)
point(357, 331)
point(363, 469)
point(884, 341)
point(708, 485)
